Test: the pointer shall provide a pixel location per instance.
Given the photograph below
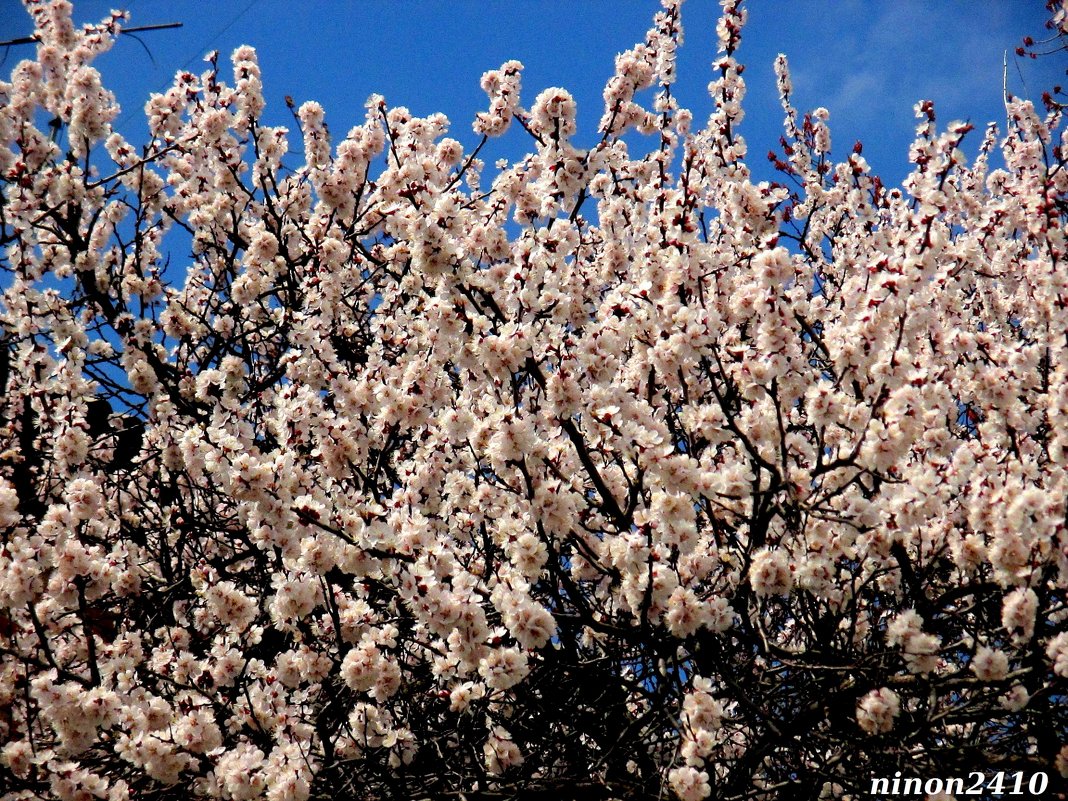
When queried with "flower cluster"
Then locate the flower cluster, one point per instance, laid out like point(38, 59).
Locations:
point(877, 710)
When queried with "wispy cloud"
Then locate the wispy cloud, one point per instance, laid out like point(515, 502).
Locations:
point(870, 63)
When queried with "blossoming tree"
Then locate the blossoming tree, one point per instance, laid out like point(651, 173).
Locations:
point(621, 474)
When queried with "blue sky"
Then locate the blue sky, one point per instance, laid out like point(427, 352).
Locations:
point(868, 62)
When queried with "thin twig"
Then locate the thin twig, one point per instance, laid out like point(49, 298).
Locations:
point(32, 39)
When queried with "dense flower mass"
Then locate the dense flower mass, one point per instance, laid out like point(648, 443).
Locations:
point(619, 473)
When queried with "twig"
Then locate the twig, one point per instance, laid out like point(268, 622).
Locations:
point(32, 39)
point(1005, 86)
